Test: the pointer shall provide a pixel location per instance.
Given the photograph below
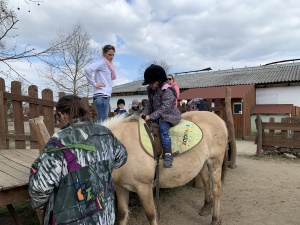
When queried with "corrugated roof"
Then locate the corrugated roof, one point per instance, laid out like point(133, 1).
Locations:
point(272, 109)
point(243, 76)
point(238, 91)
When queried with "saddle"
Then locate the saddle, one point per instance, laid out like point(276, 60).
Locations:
point(184, 136)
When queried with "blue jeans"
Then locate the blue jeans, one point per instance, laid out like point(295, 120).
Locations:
point(165, 134)
point(102, 105)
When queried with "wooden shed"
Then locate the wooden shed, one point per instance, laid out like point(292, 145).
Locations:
point(243, 99)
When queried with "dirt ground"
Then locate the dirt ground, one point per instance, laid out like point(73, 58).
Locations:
point(259, 191)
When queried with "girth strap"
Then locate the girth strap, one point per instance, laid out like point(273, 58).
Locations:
point(152, 129)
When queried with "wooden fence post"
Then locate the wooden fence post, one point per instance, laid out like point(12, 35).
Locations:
point(258, 123)
point(48, 111)
point(230, 126)
point(18, 114)
point(209, 103)
point(272, 132)
point(284, 133)
point(4, 143)
point(40, 131)
point(33, 112)
point(61, 94)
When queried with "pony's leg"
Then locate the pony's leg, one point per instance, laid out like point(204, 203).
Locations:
point(145, 194)
point(215, 169)
point(205, 176)
point(122, 201)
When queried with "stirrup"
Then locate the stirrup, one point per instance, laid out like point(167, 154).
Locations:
point(168, 161)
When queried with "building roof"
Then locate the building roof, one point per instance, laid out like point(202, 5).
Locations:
point(272, 109)
point(238, 91)
point(270, 74)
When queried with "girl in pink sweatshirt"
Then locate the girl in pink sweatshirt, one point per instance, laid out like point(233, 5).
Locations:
point(171, 81)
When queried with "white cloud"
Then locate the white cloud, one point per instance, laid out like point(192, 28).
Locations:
point(187, 34)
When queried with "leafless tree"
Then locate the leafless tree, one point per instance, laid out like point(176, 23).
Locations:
point(10, 53)
point(144, 66)
point(65, 67)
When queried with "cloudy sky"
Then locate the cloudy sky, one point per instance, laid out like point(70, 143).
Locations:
point(187, 34)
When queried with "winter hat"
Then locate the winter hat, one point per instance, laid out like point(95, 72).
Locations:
point(135, 102)
point(120, 101)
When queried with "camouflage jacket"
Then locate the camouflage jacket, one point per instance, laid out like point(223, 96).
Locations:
point(161, 105)
point(72, 178)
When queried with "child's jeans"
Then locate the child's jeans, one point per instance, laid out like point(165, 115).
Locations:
point(165, 135)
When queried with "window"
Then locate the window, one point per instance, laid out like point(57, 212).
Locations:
point(237, 108)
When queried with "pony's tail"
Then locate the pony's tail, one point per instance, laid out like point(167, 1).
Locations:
point(224, 165)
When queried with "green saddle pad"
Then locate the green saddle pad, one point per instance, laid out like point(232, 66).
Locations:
point(184, 136)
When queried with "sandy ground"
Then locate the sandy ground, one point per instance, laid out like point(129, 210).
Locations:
point(259, 191)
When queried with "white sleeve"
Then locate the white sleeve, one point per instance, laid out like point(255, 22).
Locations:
point(89, 72)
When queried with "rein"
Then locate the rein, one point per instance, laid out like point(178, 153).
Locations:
point(153, 133)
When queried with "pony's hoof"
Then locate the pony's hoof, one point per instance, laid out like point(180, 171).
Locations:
point(206, 210)
point(216, 223)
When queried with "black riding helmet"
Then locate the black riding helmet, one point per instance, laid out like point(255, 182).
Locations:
point(154, 73)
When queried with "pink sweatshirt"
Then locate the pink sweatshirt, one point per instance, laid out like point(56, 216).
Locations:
point(177, 92)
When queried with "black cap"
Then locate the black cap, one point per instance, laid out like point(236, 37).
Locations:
point(154, 73)
point(120, 101)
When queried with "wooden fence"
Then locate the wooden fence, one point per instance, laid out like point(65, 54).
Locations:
point(284, 135)
point(37, 107)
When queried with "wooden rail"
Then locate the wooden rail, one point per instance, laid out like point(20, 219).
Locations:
point(287, 135)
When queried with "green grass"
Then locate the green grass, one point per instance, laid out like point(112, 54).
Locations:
point(24, 211)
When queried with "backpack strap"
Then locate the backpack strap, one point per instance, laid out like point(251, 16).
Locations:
point(72, 165)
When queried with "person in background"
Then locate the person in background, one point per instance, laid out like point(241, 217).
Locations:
point(135, 107)
point(162, 98)
point(171, 81)
point(120, 107)
point(72, 178)
point(198, 104)
point(101, 74)
point(144, 103)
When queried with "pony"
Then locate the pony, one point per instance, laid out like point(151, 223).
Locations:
point(208, 158)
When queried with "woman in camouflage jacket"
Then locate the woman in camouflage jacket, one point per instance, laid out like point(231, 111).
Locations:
point(72, 178)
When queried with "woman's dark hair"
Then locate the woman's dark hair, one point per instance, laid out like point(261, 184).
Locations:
point(106, 48)
point(74, 107)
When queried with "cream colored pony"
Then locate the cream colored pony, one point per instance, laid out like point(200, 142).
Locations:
point(137, 175)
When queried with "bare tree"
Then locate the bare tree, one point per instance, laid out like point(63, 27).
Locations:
point(64, 67)
point(144, 66)
point(11, 53)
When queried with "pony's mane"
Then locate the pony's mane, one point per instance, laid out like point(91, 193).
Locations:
point(115, 121)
